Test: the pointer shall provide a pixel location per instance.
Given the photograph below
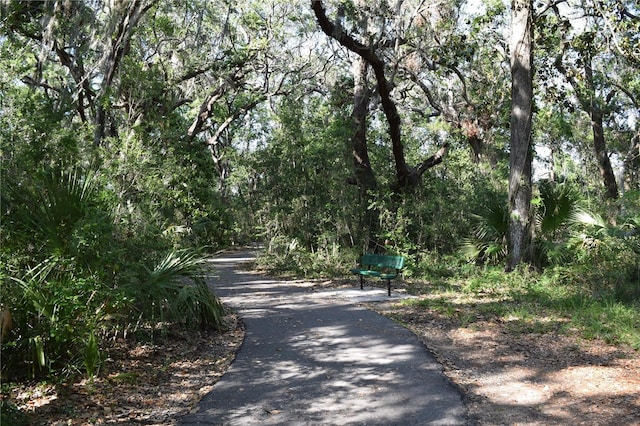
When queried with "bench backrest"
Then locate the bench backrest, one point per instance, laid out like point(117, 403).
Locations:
point(383, 261)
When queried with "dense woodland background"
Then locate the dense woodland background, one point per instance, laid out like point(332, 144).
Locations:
point(139, 136)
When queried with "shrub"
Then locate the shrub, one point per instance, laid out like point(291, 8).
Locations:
point(488, 243)
point(175, 292)
point(55, 317)
point(71, 276)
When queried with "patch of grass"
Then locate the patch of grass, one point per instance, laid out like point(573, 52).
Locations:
point(492, 309)
point(487, 280)
point(466, 318)
point(614, 322)
point(554, 301)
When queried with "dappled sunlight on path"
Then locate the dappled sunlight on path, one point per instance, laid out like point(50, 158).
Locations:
point(310, 357)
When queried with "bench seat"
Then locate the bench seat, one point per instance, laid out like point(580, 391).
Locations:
point(381, 266)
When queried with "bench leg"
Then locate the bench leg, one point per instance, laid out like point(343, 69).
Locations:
point(361, 282)
point(389, 287)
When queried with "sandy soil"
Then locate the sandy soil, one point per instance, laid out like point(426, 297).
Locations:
point(518, 378)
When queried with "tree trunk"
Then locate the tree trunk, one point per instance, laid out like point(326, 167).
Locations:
point(631, 177)
point(365, 178)
point(520, 158)
point(117, 48)
point(406, 177)
point(586, 94)
point(377, 64)
point(604, 164)
point(599, 144)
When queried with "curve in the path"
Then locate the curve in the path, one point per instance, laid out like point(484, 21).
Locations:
point(311, 360)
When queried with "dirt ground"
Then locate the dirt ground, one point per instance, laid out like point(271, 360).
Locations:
point(140, 383)
point(516, 378)
point(508, 378)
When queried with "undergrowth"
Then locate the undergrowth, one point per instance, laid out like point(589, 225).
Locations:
point(598, 303)
point(556, 300)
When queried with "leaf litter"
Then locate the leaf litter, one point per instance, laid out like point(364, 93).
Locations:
point(509, 376)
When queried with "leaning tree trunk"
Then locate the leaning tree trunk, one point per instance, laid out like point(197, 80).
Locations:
point(520, 144)
point(406, 177)
point(128, 14)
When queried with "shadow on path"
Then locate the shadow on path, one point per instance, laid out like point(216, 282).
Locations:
point(312, 359)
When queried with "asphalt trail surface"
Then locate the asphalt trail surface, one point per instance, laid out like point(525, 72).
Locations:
point(313, 358)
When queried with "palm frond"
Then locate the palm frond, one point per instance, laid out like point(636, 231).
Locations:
point(586, 218)
point(51, 203)
point(489, 233)
point(559, 203)
point(176, 291)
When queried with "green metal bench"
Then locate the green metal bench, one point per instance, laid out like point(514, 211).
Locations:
point(380, 266)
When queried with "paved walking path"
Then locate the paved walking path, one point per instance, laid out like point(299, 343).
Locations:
point(317, 358)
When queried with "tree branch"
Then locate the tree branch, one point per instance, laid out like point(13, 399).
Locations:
point(384, 90)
